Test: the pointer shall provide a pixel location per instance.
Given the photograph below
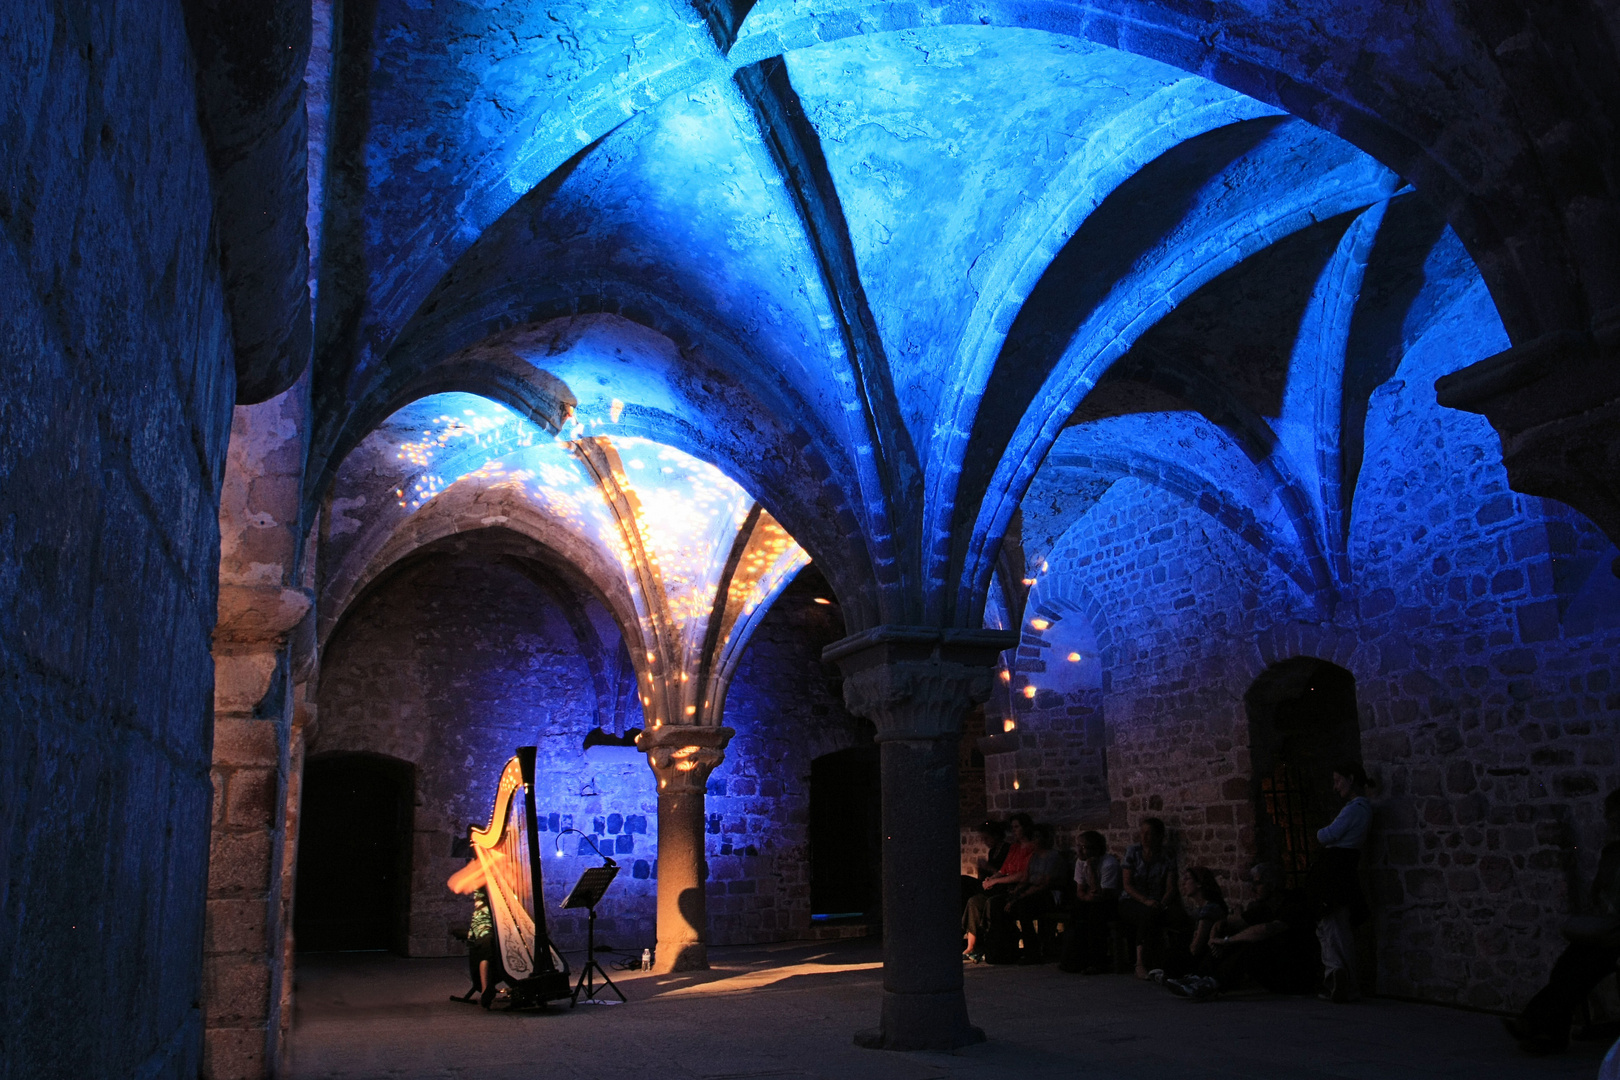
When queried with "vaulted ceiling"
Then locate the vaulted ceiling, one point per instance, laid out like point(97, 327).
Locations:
point(890, 267)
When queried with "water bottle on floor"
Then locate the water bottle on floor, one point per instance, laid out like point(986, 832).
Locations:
point(646, 959)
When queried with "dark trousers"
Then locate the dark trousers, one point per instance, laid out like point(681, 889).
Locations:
point(1034, 915)
point(1147, 926)
point(1085, 934)
point(986, 917)
point(1578, 970)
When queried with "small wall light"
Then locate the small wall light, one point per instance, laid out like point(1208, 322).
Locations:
point(1029, 691)
point(1074, 657)
point(1039, 624)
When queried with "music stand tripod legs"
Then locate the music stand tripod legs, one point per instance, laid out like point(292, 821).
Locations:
point(586, 893)
point(587, 982)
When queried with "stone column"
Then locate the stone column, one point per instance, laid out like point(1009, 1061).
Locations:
point(916, 684)
point(682, 757)
point(263, 646)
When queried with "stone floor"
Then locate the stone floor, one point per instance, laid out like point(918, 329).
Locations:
point(789, 1011)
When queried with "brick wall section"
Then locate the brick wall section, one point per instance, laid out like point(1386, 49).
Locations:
point(1490, 638)
point(787, 708)
point(450, 666)
point(1170, 623)
point(1481, 629)
point(116, 408)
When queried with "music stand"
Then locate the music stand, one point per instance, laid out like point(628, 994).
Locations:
point(587, 893)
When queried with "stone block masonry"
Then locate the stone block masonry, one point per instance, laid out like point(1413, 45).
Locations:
point(786, 706)
point(116, 408)
point(451, 665)
point(1481, 628)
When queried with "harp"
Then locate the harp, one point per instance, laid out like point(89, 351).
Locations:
point(508, 853)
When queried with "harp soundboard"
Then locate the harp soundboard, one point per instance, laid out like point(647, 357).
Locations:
point(508, 850)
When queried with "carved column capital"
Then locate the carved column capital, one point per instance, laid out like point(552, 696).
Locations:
point(683, 755)
point(917, 682)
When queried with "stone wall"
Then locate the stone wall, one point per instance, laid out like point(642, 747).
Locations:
point(787, 708)
point(116, 408)
point(1483, 631)
point(450, 665)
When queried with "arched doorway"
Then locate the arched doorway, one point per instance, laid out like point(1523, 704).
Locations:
point(846, 834)
point(354, 854)
point(1302, 723)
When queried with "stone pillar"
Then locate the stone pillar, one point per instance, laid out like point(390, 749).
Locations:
point(682, 757)
point(263, 646)
point(916, 684)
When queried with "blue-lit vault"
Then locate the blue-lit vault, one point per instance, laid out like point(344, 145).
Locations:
point(683, 558)
point(935, 296)
point(877, 279)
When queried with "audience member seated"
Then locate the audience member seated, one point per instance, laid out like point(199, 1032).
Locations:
point(1592, 953)
point(985, 919)
point(1198, 885)
point(1095, 904)
point(1033, 903)
point(1149, 881)
point(994, 835)
point(1273, 943)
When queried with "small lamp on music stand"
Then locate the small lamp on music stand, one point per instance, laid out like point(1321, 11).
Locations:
point(587, 893)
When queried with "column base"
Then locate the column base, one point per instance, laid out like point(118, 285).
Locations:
point(922, 1022)
point(685, 956)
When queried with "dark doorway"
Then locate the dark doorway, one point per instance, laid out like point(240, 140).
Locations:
point(354, 854)
point(846, 833)
point(1302, 723)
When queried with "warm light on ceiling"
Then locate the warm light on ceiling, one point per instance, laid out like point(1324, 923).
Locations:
point(1006, 676)
point(1008, 725)
point(822, 600)
point(1029, 691)
point(1074, 657)
point(1039, 624)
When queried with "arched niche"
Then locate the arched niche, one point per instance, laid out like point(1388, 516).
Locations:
point(1303, 723)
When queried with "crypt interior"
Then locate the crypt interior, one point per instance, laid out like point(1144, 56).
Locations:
point(816, 427)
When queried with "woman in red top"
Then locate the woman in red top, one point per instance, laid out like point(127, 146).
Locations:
point(990, 905)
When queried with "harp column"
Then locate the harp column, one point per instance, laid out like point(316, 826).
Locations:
point(682, 757)
point(916, 684)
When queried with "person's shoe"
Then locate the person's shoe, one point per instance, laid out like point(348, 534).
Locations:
point(1204, 988)
point(1337, 987)
point(973, 957)
point(487, 998)
point(1157, 975)
point(1179, 987)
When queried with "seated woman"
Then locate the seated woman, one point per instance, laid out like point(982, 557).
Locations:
point(1033, 903)
point(482, 955)
point(1272, 942)
point(1096, 899)
point(1149, 881)
point(1198, 885)
point(994, 835)
point(986, 914)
